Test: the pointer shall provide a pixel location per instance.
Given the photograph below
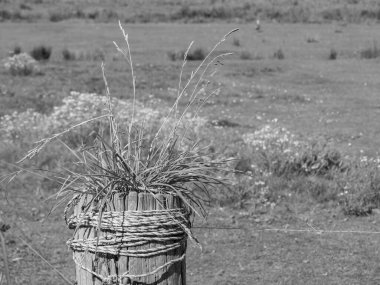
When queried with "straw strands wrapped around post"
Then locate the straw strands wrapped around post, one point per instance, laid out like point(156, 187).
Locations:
point(131, 196)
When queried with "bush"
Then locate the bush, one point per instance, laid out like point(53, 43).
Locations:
point(196, 54)
point(96, 54)
point(173, 55)
point(371, 52)
point(16, 50)
point(68, 54)
point(279, 54)
point(312, 39)
point(359, 189)
point(5, 15)
point(24, 6)
point(236, 42)
point(105, 15)
point(321, 190)
point(281, 154)
point(18, 15)
point(41, 52)
point(59, 15)
point(21, 64)
point(22, 127)
point(56, 17)
point(333, 54)
point(332, 14)
point(314, 161)
point(202, 13)
point(245, 55)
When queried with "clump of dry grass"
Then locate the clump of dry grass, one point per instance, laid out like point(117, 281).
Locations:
point(125, 159)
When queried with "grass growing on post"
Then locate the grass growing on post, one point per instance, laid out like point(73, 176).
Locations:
point(122, 160)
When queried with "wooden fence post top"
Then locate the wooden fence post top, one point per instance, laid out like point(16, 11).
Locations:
point(143, 247)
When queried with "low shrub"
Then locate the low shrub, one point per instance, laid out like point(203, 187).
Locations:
point(98, 14)
point(321, 190)
point(245, 55)
point(236, 42)
point(173, 55)
point(278, 152)
point(5, 15)
point(21, 64)
point(202, 13)
point(69, 54)
point(15, 15)
point(59, 15)
point(262, 191)
point(317, 160)
point(359, 187)
point(104, 15)
point(284, 165)
point(332, 14)
point(279, 54)
point(240, 195)
point(196, 54)
point(224, 123)
point(333, 54)
point(22, 127)
point(312, 39)
point(6, 91)
point(96, 54)
point(24, 6)
point(41, 52)
point(16, 50)
point(78, 107)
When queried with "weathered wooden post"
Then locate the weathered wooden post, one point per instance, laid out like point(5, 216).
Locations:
point(3, 228)
point(132, 203)
point(141, 239)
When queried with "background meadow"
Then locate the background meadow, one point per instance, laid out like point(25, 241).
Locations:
point(296, 109)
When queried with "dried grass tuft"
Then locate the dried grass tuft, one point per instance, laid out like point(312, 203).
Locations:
point(125, 159)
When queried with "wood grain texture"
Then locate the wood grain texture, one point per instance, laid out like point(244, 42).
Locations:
point(106, 264)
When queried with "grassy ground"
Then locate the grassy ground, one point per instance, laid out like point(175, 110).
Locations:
point(306, 92)
point(314, 97)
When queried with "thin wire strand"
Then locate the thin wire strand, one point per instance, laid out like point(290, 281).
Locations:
point(311, 230)
point(322, 231)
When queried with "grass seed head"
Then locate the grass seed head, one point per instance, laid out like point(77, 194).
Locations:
point(124, 158)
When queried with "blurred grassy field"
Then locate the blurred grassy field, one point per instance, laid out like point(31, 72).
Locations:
point(333, 100)
point(306, 92)
point(153, 11)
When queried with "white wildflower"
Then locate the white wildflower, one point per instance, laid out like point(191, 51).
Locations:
point(21, 64)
